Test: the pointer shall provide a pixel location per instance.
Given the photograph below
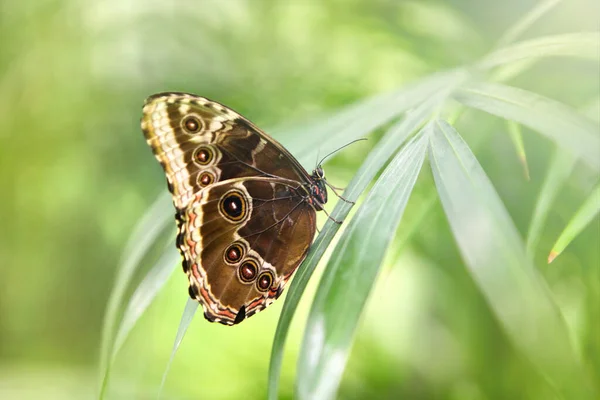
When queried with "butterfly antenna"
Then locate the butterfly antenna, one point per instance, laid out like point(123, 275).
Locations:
point(318, 151)
point(338, 149)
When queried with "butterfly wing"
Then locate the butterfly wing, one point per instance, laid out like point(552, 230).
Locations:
point(241, 240)
point(200, 142)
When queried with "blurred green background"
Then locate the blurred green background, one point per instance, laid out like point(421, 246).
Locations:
point(76, 175)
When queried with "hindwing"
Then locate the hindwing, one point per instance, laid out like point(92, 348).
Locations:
point(241, 240)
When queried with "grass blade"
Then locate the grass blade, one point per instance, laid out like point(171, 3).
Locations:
point(495, 256)
point(351, 273)
point(592, 110)
point(526, 21)
point(539, 113)
point(144, 236)
point(581, 45)
point(362, 117)
point(377, 158)
point(146, 291)
point(586, 213)
point(559, 171)
point(516, 136)
point(186, 319)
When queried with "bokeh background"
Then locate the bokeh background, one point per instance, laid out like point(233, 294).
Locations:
point(76, 175)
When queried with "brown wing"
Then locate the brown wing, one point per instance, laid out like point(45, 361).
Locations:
point(241, 241)
point(200, 142)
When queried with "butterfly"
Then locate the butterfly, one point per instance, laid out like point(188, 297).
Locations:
point(245, 207)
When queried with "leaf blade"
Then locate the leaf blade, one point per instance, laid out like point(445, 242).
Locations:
point(368, 170)
point(539, 113)
point(495, 256)
point(191, 306)
point(584, 215)
point(144, 236)
point(349, 123)
point(527, 20)
point(145, 293)
point(581, 45)
point(516, 136)
point(335, 313)
point(560, 169)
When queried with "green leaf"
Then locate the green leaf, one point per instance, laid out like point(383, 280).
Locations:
point(144, 236)
point(592, 110)
point(186, 319)
point(582, 45)
point(570, 130)
point(495, 256)
point(526, 21)
point(559, 171)
point(350, 275)
point(418, 216)
point(376, 159)
point(362, 117)
point(146, 291)
point(516, 136)
point(509, 71)
point(586, 213)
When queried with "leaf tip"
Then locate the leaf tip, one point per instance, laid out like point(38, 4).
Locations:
point(523, 160)
point(553, 254)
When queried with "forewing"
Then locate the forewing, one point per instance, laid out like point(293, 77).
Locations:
point(241, 240)
point(200, 142)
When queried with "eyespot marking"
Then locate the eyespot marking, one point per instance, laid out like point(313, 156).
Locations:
point(205, 179)
point(233, 206)
point(264, 281)
point(234, 253)
point(247, 271)
point(203, 155)
point(192, 124)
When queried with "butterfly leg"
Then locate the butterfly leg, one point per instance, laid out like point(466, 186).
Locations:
point(333, 188)
point(331, 218)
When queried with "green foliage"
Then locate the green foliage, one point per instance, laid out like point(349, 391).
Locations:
point(455, 305)
point(586, 214)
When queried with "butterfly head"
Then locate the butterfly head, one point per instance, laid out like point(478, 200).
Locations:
point(318, 188)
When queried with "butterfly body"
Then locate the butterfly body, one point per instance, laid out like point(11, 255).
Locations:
point(245, 207)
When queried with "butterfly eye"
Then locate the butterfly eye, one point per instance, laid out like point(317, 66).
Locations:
point(191, 124)
point(248, 270)
point(205, 179)
point(203, 155)
point(234, 253)
point(233, 206)
point(264, 281)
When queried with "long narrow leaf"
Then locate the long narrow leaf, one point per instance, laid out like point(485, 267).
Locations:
point(570, 130)
point(186, 319)
point(559, 171)
point(144, 236)
point(350, 275)
point(526, 21)
point(581, 45)
point(146, 291)
point(592, 110)
point(516, 136)
point(496, 258)
point(361, 118)
point(586, 213)
point(369, 169)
